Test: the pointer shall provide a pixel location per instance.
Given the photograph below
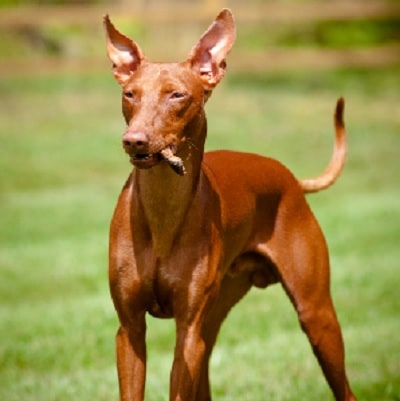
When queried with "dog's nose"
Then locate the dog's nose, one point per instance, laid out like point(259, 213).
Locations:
point(137, 141)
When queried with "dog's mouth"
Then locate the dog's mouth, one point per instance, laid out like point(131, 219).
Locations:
point(145, 160)
point(149, 160)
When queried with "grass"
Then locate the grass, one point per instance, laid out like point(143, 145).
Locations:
point(61, 168)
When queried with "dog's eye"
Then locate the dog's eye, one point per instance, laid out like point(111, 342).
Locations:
point(177, 95)
point(129, 94)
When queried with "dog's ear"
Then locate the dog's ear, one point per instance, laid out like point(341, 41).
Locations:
point(208, 56)
point(124, 53)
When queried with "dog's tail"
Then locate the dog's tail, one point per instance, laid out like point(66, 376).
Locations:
point(335, 166)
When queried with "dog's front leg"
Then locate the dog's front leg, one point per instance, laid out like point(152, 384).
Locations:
point(192, 306)
point(131, 360)
point(189, 354)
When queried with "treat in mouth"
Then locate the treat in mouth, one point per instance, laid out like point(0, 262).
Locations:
point(174, 162)
point(148, 160)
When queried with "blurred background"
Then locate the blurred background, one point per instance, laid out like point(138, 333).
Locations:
point(62, 167)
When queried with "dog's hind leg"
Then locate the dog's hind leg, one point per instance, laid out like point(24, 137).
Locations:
point(301, 257)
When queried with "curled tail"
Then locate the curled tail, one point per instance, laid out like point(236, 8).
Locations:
point(338, 158)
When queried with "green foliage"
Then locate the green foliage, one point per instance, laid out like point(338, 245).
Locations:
point(61, 168)
point(327, 34)
point(4, 3)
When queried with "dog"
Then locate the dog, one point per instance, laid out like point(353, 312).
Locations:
point(193, 231)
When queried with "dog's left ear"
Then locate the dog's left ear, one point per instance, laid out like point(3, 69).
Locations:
point(208, 56)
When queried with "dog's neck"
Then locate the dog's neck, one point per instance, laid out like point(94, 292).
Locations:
point(165, 196)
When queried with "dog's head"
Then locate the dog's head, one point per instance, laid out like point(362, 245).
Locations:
point(163, 102)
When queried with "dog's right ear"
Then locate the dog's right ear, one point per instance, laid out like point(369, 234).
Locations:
point(124, 53)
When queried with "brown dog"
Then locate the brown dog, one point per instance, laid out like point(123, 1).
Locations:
point(193, 232)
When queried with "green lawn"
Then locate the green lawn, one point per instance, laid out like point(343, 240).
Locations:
point(61, 168)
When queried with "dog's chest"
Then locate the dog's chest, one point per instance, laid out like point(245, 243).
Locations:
point(163, 283)
point(174, 282)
